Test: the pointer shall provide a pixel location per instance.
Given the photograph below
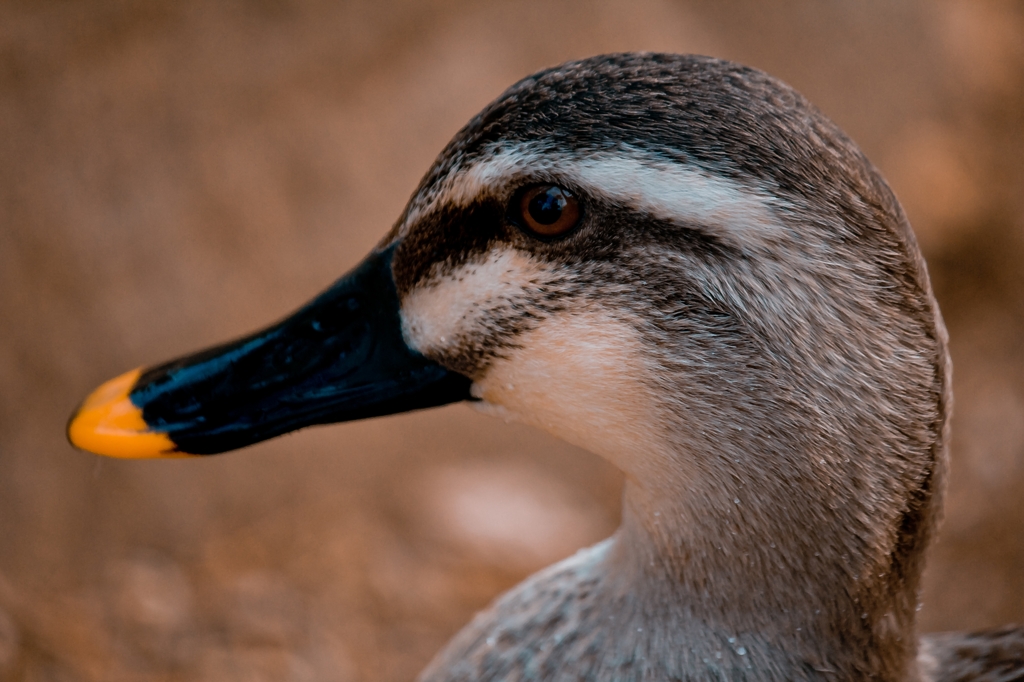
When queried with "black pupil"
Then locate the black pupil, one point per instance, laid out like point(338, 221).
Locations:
point(546, 208)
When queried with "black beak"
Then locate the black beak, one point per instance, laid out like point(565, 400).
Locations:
point(340, 357)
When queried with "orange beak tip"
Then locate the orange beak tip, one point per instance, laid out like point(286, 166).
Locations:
point(108, 423)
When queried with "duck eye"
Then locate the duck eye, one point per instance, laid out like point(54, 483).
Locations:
point(548, 210)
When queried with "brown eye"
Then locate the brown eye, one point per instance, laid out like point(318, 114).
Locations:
point(548, 210)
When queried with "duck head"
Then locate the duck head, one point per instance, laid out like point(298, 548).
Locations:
point(674, 262)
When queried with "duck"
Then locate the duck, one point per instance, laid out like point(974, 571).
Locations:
point(680, 264)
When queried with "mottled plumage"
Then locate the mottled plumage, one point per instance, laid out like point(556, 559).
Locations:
point(994, 655)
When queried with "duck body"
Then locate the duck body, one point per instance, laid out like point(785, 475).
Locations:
point(597, 628)
point(681, 265)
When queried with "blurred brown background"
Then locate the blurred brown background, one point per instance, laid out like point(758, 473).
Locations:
point(177, 173)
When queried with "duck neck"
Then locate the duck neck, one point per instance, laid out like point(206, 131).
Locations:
point(799, 576)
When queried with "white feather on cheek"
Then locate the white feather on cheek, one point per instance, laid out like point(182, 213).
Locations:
point(577, 377)
point(446, 308)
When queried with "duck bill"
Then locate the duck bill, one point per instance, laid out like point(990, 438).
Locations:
point(340, 357)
